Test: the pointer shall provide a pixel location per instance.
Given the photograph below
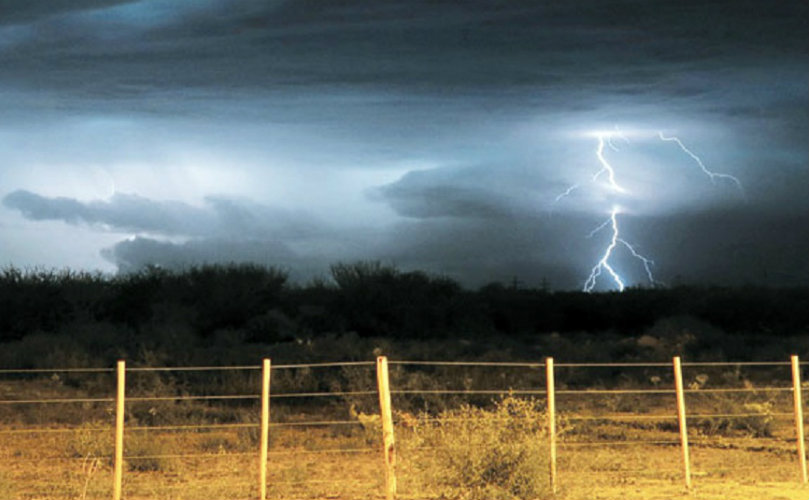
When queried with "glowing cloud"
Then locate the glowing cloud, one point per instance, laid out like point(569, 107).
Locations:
point(606, 138)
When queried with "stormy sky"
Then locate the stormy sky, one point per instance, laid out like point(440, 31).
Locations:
point(425, 134)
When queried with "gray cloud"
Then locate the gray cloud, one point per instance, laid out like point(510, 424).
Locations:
point(122, 213)
point(720, 248)
point(657, 177)
point(472, 191)
point(219, 217)
point(473, 252)
point(460, 240)
point(137, 253)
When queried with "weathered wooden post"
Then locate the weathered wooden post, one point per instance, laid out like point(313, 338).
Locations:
point(388, 441)
point(265, 428)
point(118, 464)
point(798, 402)
point(551, 390)
point(681, 418)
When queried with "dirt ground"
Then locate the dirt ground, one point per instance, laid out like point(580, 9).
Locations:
point(704, 490)
point(597, 473)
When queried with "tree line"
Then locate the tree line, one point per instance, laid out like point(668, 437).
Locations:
point(259, 305)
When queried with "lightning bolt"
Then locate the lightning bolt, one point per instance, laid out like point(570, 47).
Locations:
point(605, 166)
point(606, 139)
point(566, 193)
point(618, 134)
point(647, 263)
point(603, 263)
point(712, 175)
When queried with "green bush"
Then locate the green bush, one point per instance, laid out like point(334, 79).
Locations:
point(497, 453)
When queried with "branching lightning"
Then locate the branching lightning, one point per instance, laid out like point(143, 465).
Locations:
point(647, 263)
point(712, 175)
point(604, 224)
point(605, 166)
point(603, 138)
point(566, 192)
point(604, 264)
point(617, 134)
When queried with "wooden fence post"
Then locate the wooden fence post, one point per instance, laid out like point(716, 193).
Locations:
point(118, 464)
point(388, 442)
point(681, 418)
point(798, 401)
point(551, 391)
point(265, 428)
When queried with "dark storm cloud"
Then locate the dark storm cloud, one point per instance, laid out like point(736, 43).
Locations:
point(719, 248)
point(474, 245)
point(472, 191)
point(472, 252)
point(415, 45)
point(733, 247)
point(477, 251)
point(219, 217)
point(138, 253)
point(741, 246)
point(28, 11)
point(475, 106)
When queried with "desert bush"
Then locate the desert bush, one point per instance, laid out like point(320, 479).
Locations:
point(737, 415)
point(496, 453)
point(148, 453)
point(370, 424)
point(249, 438)
point(7, 488)
point(219, 443)
point(93, 440)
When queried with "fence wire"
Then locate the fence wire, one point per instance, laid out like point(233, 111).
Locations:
point(468, 391)
point(564, 441)
point(576, 418)
point(56, 400)
point(56, 370)
point(142, 399)
point(56, 431)
point(623, 442)
point(502, 364)
point(136, 369)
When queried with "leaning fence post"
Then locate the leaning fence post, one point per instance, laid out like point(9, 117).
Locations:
point(265, 428)
point(551, 390)
point(388, 442)
point(798, 400)
point(118, 464)
point(681, 418)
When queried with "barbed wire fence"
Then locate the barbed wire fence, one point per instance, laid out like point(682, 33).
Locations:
point(374, 399)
